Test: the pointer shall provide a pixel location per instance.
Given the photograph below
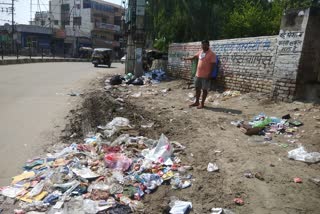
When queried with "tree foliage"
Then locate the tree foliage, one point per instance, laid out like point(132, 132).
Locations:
point(170, 21)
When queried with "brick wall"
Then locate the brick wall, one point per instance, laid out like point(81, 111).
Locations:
point(246, 64)
point(268, 64)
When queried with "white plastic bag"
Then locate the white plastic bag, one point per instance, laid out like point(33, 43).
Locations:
point(11, 192)
point(180, 207)
point(112, 127)
point(161, 153)
point(212, 167)
point(85, 173)
point(300, 154)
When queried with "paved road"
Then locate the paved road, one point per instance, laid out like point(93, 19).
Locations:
point(33, 104)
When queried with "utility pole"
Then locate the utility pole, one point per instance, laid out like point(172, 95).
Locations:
point(12, 24)
point(136, 37)
point(130, 19)
point(30, 12)
point(139, 37)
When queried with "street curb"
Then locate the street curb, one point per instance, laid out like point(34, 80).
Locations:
point(23, 61)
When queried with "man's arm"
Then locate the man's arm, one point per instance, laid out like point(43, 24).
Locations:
point(189, 58)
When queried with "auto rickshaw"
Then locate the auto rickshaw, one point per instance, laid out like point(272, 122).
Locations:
point(85, 52)
point(102, 56)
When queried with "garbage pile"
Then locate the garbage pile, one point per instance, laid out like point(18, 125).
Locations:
point(150, 77)
point(104, 172)
point(267, 126)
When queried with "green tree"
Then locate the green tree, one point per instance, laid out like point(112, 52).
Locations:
point(186, 20)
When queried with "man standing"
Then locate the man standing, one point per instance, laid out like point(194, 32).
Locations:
point(206, 63)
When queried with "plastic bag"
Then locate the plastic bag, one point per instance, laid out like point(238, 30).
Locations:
point(161, 153)
point(37, 189)
point(11, 192)
point(112, 127)
point(117, 161)
point(151, 181)
point(300, 154)
point(137, 81)
point(116, 80)
point(262, 123)
point(180, 207)
point(85, 173)
point(116, 122)
point(212, 167)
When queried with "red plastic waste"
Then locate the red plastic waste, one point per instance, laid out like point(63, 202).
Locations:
point(117, 161)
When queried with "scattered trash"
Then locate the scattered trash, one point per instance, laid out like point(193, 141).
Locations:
point(137, 81)
point(296, 123)
point(228, 94)
point(156, 75)
point(238, 201)
point(116, 80)
point(180, 207)
point(136, 95)
point(75, 94)
point(248, 174)
point(297, 180)
point(286, 117)
point(166, 90)
point(315, 180)
point(99, 175)
point(212, 167)
point(221, 211)
point(259, 176)
point(216, 211)
point(149, 125)
point(300, 154)
point(237, 123)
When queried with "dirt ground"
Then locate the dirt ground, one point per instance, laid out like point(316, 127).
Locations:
point(209, 137)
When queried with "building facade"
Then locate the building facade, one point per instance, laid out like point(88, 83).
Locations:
point(91, 23)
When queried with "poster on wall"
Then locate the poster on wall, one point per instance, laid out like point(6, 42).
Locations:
point(139, 55)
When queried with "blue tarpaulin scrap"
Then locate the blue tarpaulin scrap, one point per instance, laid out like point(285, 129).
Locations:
point(157, 75)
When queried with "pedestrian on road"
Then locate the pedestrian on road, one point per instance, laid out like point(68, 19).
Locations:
point(206, 63)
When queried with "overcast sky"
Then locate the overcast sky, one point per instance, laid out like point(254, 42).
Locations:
point(22, 7)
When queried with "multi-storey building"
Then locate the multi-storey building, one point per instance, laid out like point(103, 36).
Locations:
point(94, 23)
point(41, 19)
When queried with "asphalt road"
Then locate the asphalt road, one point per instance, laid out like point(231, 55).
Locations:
point(34, 101)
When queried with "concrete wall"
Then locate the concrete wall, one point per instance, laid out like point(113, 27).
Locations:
point(290, 45)
point(308, 79)
point(268, 64)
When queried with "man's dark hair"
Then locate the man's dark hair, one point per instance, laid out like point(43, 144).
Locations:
point(205, 42)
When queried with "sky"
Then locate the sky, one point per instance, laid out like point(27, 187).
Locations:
point(22, 10)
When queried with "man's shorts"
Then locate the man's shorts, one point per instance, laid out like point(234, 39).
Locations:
point(203, 83)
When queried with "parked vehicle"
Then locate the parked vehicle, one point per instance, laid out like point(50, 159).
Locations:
point(123, 59)
point(102, 56)
point(85, 52)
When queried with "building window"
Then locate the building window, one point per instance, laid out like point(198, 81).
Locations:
point(65, 17)
point(117, 20)
point(77, 20)
point(56, 22)
point(104, 20)
point(43, 23)
point(86, 3)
